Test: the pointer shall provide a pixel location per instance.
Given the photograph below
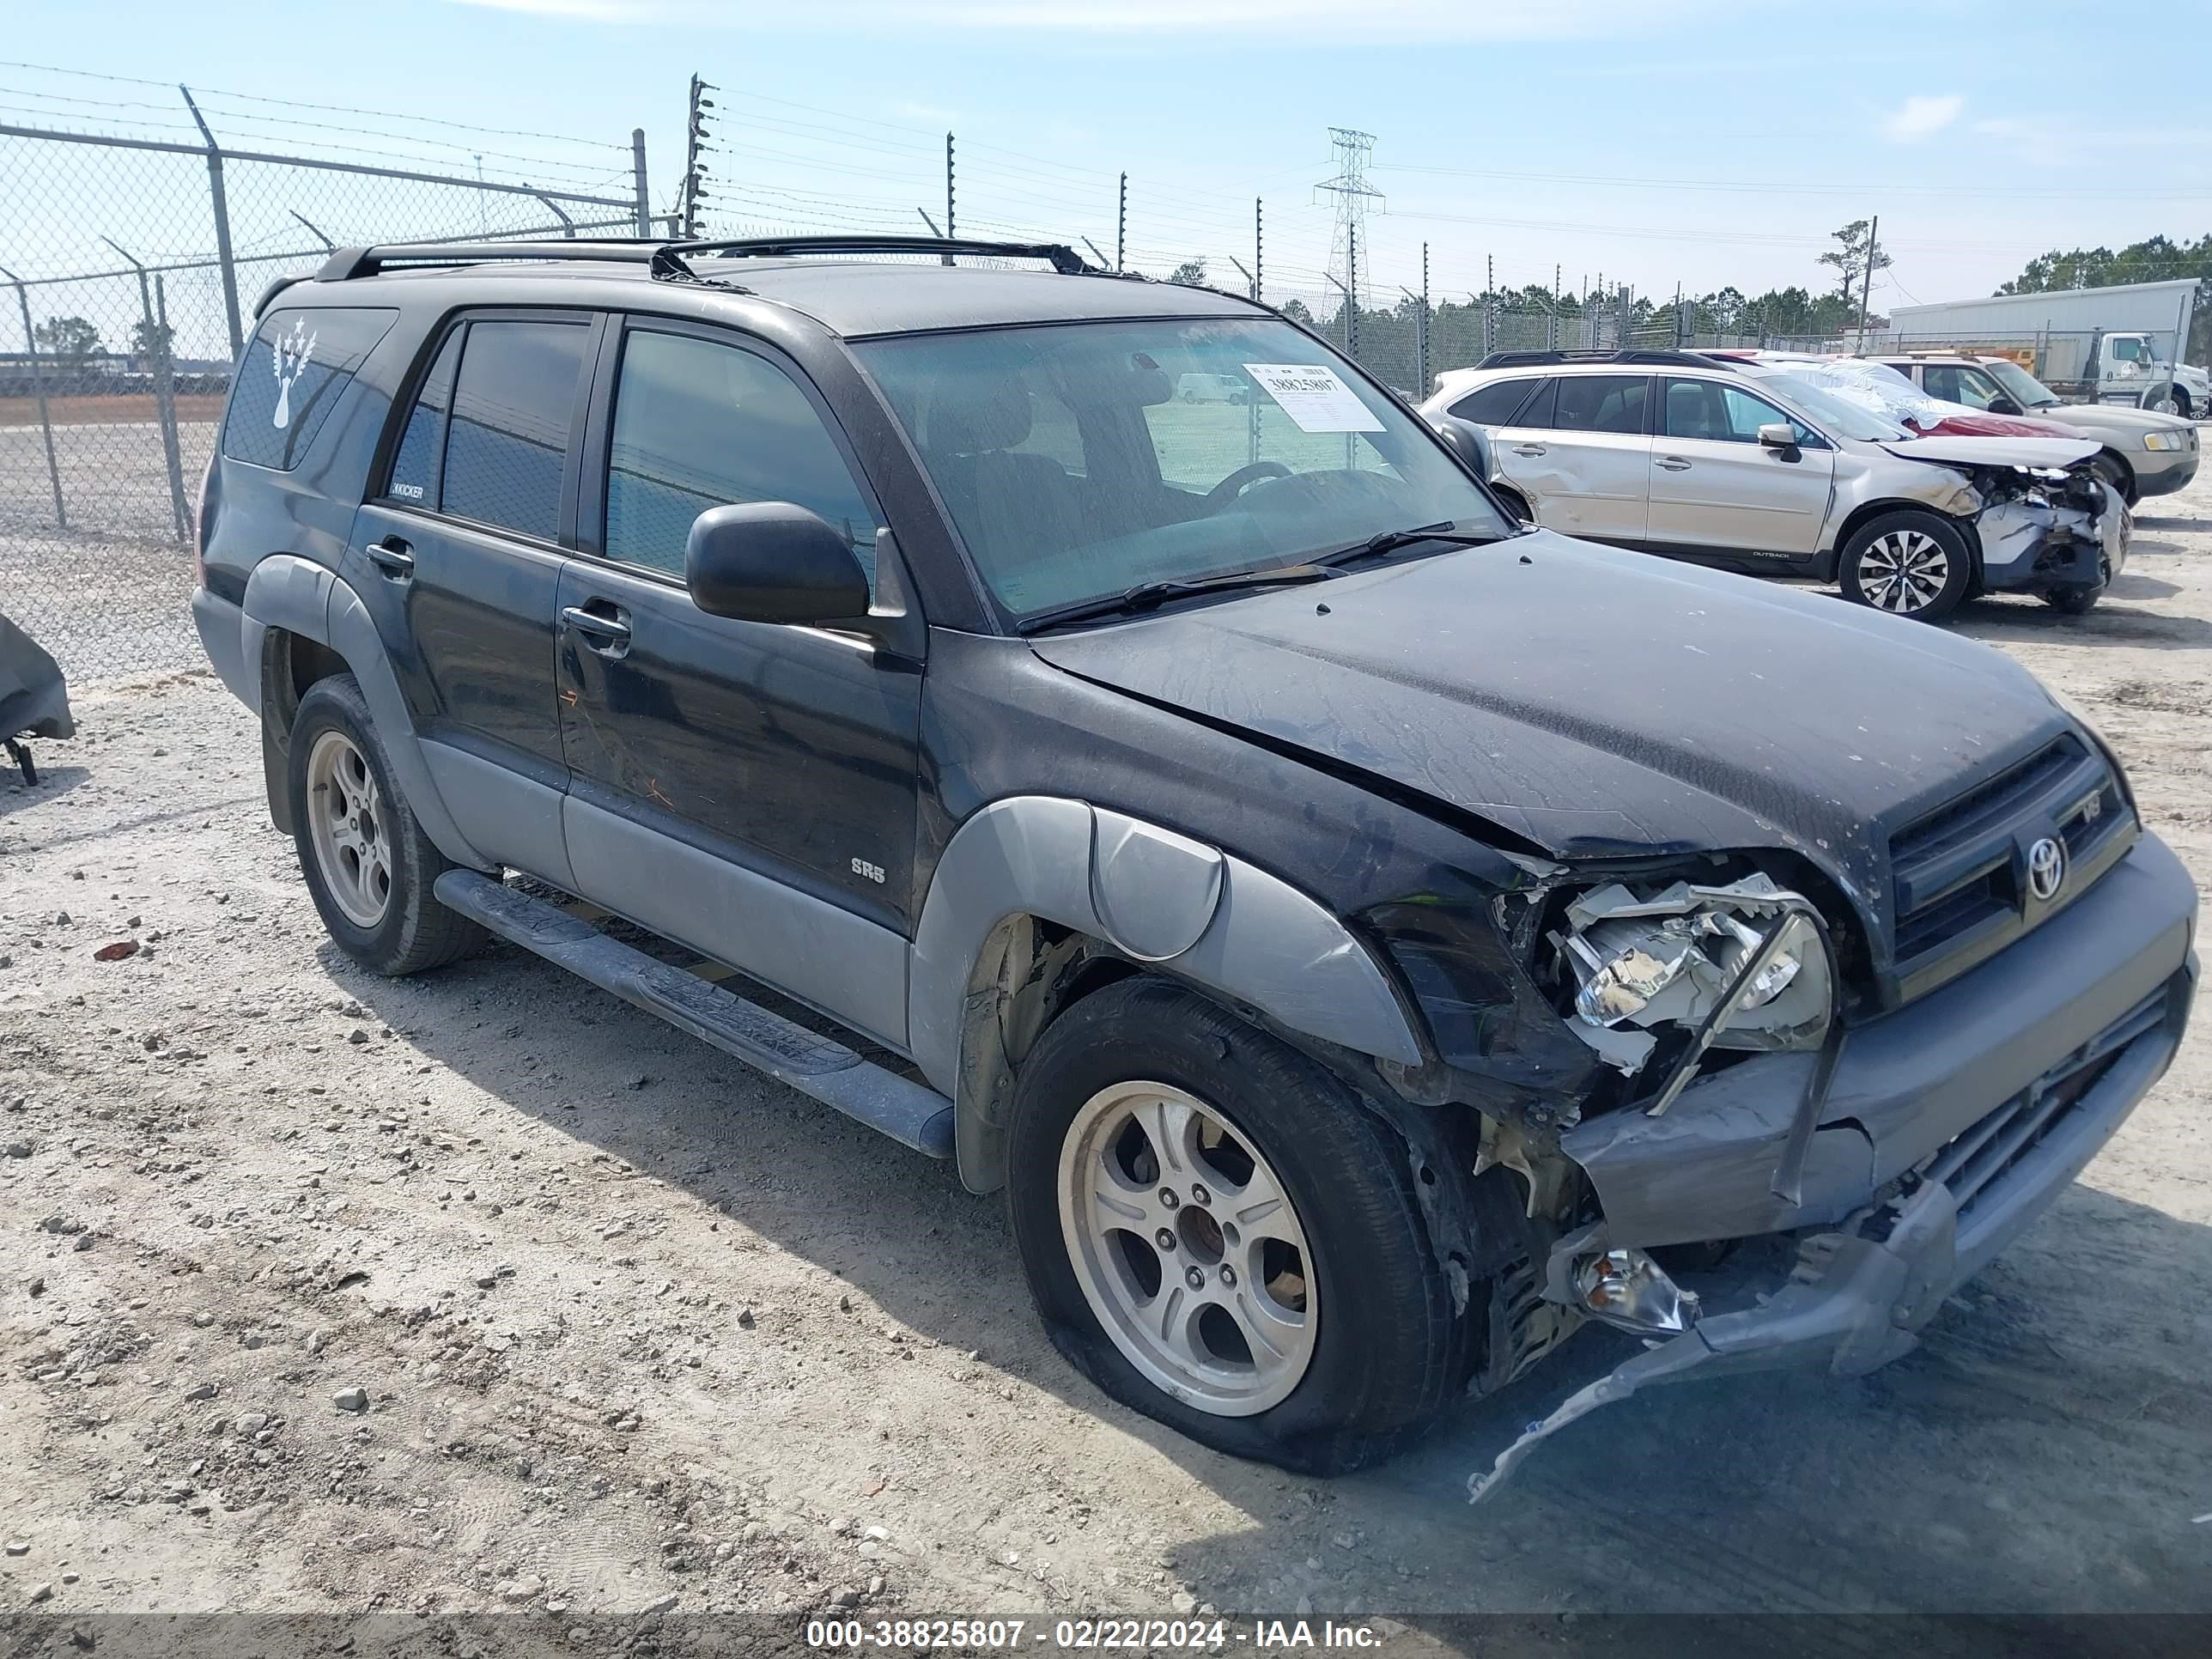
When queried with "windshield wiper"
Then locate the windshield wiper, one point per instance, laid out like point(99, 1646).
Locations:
point(1390, 540)
point(1150, 596)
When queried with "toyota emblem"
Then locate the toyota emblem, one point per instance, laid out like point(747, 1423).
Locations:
point(2046, 868)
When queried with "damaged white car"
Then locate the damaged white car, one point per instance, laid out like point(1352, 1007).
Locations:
point(1736, 465)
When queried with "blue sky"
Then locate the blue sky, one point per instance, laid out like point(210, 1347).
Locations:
point(1670, 140)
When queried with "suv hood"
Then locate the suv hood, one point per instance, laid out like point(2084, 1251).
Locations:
point(1596, 703)
point(2112, 417)
point(1996, 452)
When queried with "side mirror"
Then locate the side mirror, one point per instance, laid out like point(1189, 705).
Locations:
point(773, 561)
point(1779, 434)
point(1470, 444)
point(2005, 406)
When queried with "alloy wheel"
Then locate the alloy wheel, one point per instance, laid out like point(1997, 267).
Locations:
point(1904, 571)
point(1188, 1248)
point(353, 846)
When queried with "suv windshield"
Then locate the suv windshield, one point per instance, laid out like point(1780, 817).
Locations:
point(1840, 419)
point(2028, 391)
point(1077, 464)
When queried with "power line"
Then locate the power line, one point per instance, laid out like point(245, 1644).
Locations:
point(1767, 187)
point(329, 109)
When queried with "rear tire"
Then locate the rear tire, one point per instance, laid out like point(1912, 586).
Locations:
point(1351, 1342)
point(1909, 564)
point(368, 867)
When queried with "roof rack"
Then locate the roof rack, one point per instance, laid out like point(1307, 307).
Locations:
point(1062, 259)
point(346, 263)
point(1663, 359)
point(671, 261)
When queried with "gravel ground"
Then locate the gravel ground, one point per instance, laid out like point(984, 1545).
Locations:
point(482, 1290)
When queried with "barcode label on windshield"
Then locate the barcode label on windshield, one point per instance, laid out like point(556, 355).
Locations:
point(1314, 396)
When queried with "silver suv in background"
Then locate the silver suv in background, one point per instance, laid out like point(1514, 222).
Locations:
point(2143, 453)
point(1740, 466)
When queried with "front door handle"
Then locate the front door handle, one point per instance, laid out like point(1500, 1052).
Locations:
point(393, 556)
point(1673, 463)
point(1528, 449)
point(610, 636)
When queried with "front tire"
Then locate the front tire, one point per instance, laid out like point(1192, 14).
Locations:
point(2116, 472)
point(1909, 564)
point(1220, 1234)
point(368, 867)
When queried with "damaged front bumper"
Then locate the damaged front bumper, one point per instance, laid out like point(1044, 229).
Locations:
point(2035, 544)
point(1948, 1125)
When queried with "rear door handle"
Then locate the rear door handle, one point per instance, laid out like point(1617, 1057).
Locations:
point(1673, 463)
point(1528, 449)
point(393, 556)
point(607, 634)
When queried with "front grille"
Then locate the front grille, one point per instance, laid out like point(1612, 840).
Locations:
point(1957, 873)
point(1973, 1163)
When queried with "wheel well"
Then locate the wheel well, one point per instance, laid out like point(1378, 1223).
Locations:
point(1515, 498)
point(290, 663)
point(2127, 470)
point(1861, 516)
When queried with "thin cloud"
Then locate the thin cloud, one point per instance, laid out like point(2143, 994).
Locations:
point(1921, 116)
point(1398, 19)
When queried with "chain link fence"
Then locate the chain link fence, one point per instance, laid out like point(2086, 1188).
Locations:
point(129, 271)
point(130, 268)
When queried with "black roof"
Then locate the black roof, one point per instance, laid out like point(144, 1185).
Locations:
point(835, 281)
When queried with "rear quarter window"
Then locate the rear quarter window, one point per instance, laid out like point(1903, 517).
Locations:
point(290, 377)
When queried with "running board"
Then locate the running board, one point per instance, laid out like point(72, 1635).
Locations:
point(815, 1066)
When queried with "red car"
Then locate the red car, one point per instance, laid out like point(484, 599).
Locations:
point(1881, 388)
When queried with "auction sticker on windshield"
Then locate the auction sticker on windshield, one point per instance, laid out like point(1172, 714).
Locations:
point(1315, 396)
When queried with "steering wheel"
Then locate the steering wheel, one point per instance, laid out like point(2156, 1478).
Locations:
point(1236, 483)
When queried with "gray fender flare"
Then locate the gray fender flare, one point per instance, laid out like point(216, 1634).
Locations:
point(303, 597)
point(1204, 916)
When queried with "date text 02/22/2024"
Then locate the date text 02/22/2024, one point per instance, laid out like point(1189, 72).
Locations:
point(1142, 1635)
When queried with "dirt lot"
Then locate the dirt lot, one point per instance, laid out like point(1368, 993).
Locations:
point(631, 1324)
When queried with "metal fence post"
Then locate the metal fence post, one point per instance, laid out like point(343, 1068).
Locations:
point(637, 167)
point(221, 207)
point(38, 386)
point(165, 391)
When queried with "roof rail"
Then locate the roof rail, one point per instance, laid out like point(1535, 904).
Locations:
point(1064, 259)
point(1663, 359)
point(671, 260)
point(346, 263)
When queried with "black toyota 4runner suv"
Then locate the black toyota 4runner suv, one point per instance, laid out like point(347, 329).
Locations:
point(1365, 939)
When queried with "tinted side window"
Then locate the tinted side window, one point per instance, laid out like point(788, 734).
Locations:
point(1538, 411)
point(289, 378)
point(699, 425)
point(507, 443)
point(1492, 404)
point(415, 466)
point(1601, 403)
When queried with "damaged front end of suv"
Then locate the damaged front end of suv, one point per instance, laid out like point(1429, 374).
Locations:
point(2048, 523)
point(1810, 1116)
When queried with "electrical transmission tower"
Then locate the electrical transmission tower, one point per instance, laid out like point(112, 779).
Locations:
point(1352, 195)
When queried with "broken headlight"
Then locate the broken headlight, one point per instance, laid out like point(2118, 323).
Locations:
point(1742, 966)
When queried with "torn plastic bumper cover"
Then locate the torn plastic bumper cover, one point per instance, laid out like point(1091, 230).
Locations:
point(2051, 533)
point(1856, 1296)
point(1946, 1127)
